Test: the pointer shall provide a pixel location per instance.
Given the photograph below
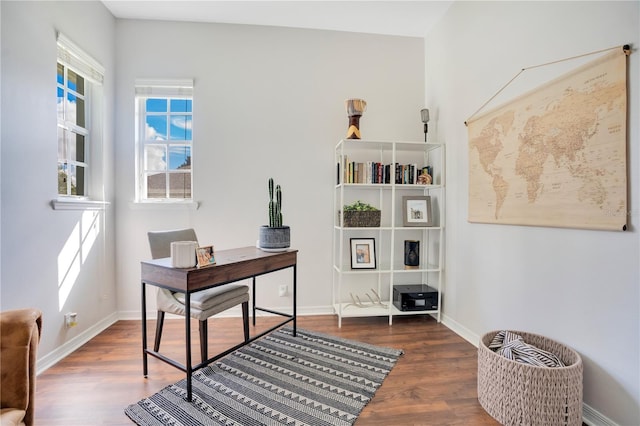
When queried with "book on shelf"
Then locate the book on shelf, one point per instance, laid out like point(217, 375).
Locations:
point(406, 174)
point(372, 172)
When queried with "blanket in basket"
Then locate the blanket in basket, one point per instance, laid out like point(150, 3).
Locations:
point(512, 346)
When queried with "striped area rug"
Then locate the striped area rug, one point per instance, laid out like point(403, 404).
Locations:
point(310, 379)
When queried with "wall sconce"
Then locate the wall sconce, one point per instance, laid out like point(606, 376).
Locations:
point(424, 114)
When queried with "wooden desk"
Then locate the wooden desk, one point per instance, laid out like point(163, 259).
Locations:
point(231, 265)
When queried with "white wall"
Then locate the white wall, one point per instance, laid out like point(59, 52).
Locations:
point(579, 287)
point(34, 236)
point(268, 102)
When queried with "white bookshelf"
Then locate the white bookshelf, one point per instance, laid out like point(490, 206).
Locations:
point(390, 235)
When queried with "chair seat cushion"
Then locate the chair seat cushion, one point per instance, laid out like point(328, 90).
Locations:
point(220, 301)
point(206, 299)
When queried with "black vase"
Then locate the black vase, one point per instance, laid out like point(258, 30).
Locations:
point(411, 254)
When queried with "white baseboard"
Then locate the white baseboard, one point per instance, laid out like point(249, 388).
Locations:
point(70, 346)
point(234, 312)
point(461, 331)
point(592, 417)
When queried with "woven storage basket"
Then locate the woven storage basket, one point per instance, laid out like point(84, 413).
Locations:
point(361, 219)
point(521, 394)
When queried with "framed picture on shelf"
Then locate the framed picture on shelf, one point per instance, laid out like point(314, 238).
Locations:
point(205, 256)
point(363, 253)
point(416, 211)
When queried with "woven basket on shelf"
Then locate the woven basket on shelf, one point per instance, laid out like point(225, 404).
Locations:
point(361, 219)
point(521, 394)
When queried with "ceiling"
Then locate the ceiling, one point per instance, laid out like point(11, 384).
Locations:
point(401, 18)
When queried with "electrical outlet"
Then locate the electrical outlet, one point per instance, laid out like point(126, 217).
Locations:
point(71, 319)
point(283, 290)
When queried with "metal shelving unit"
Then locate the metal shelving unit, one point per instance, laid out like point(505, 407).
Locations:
point(363, 284)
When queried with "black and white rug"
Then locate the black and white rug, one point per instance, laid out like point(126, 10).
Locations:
point(311, 379)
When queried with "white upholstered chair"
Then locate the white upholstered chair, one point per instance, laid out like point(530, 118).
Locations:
point(205, 303)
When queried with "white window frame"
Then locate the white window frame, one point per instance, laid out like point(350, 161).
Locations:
point(74, 58)
point(162, 89)
point(69, 129)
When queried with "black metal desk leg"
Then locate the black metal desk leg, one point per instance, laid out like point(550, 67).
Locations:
point(187, 327)
point(253, 301)
point(145, 365)
point(295, 301)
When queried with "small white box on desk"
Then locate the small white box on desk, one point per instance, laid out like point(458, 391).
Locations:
point(183, 254)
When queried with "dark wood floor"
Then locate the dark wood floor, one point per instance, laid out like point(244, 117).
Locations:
point(433, 383)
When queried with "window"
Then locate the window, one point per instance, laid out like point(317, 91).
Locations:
point(164, 140)
point(79, 81)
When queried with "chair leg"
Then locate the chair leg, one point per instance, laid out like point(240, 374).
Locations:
point(159, 324)
point(203, 340)
point(245, 320)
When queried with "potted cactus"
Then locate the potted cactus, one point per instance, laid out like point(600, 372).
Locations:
point(275, 236)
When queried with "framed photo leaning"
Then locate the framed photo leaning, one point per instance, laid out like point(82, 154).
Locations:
point(416, 211)
point(205, 256)
point(363, 253)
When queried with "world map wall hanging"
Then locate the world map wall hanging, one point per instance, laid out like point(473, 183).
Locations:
point(557, 155)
